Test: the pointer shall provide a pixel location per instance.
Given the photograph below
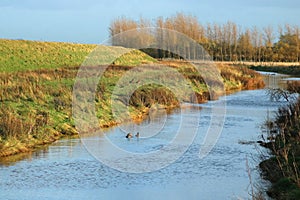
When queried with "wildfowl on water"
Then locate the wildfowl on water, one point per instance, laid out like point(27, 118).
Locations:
point(137, 134)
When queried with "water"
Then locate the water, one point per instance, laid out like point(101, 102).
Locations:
point(66, 170)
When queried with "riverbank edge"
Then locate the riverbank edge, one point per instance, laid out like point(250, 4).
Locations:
point(288, 68)
point(70, 131)
point(293, 70)
point(282, 166)
point(66, 130)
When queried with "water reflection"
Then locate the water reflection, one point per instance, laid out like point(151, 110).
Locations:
point(11, 160)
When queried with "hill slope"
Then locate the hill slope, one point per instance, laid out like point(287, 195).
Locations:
point(22, 55)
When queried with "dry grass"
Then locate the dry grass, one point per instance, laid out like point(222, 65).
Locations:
point(283, 169)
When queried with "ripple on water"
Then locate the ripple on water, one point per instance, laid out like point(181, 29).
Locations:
point(67, 171)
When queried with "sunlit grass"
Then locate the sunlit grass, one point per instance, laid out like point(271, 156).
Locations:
point(23, 55)
point(36, 85)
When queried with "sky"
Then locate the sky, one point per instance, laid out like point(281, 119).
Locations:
point(87, 21)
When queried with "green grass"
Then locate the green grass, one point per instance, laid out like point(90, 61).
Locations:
point(36, 85)
point(36, 82)
point(23, 55)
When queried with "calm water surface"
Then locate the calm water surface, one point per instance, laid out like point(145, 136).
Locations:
point(65, 170)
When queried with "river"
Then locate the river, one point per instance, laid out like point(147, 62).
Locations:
point(66, 170)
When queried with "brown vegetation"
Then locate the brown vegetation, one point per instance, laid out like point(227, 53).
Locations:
point(283, 169)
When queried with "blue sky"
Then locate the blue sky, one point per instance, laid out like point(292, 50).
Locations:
point(87, 21)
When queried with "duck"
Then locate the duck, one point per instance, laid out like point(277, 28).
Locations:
point(137, 135)
point(129, 135)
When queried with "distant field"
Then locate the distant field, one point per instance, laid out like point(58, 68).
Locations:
point(290, 70)
point(266, 64)
point(23, 55)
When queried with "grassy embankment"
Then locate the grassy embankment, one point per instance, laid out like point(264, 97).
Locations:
point(283, 168)
point(36, 82)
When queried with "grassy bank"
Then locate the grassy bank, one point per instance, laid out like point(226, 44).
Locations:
point(283, 168)
point(36, 81)
point(24, 55)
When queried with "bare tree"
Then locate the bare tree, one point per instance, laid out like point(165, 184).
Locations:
point(224, 42)
point(268, 40)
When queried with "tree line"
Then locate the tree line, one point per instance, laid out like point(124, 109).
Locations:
point(223, 42)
